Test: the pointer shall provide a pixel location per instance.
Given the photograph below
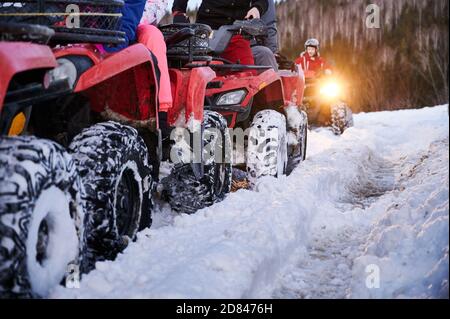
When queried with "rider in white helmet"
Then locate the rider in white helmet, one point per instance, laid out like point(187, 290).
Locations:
point(310, 59)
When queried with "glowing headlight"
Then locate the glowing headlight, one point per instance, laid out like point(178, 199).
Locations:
point(330, 90)
point(65, 70)
point(231, 98)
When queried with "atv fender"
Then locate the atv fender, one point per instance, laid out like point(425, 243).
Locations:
point(122, 86)
point(294, 87)
point(188, 91)
point(113, 65)
point(270, 92)
point(264, 90)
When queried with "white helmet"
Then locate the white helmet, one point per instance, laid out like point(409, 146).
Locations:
point(312, 43)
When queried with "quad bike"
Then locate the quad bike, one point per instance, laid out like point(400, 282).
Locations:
point(323, 101)
point(254, 99)
point(82, 139)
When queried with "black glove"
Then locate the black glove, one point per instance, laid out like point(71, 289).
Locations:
point(181, 18)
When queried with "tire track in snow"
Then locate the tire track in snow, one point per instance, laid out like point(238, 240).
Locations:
point(325, 270)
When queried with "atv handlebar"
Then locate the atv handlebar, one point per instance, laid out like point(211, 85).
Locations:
point(253, 28)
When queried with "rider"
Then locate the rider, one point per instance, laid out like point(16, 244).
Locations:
point(264, 49)
point(310, 59)
point(217, 13)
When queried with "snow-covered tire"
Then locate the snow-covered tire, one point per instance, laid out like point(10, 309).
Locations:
point(341, 118)
point(297, 141)
point(41, 214)
point(187, 194)
point(267, 146)
point(113, 163)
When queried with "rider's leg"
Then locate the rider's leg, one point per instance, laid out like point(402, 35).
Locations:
point(264, 56)
point(239, 50)
point(153, 39)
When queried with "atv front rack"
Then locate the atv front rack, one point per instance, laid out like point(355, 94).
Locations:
point(73, 21)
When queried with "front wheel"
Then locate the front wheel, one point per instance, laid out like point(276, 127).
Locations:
point(267, 146)
point(41, 216)
point(341, 118)
point(113, 162)
point(185, 192)
point(297, 137)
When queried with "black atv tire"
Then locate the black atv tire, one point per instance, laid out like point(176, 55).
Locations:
point(41, 216)
point(267, 146)
point(113, 163)
point(341, 118)
point(297, 153)
point(187, 194)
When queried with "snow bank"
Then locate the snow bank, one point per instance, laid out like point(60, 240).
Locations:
point(408, 245)
point(239, 248)
point(393, 219)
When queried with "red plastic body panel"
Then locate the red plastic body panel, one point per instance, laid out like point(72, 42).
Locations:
point(269, 88)
point(108, 65)
point(16, 57)
point(123, 83)
point(188, 92)
point(294, 88)
point(248, 81)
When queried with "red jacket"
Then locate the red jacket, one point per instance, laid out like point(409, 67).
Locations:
point(309, 63)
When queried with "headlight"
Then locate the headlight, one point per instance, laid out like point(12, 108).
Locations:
point(330, 90)
point(65, 70)
point(232, 98)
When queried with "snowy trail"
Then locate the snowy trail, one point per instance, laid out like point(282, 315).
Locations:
point(325, 271)
point(376, 195)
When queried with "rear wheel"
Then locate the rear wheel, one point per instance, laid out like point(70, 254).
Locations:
point(113, 163)
point(267, 146)
point(183, 190)
point(341, 118)
point(41, 215)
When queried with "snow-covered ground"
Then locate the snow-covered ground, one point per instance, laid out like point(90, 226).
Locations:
point(365, 216)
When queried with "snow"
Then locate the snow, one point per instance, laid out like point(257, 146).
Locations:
point(365, 216)
point(293, 117)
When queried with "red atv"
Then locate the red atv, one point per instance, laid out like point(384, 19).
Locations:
point(82, 139)
point(324, 102)
point(260, 105)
